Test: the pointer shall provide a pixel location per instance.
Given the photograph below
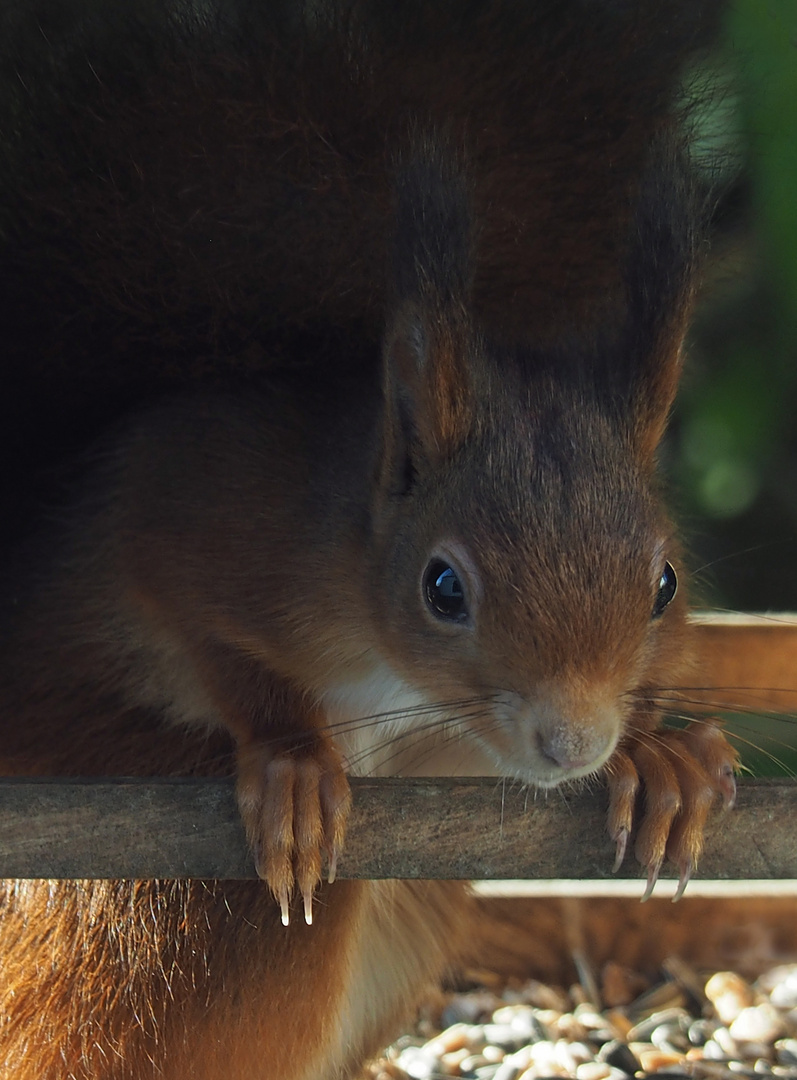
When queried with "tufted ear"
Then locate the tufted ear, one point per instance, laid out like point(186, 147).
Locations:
point(429, 347)
point(659, 279)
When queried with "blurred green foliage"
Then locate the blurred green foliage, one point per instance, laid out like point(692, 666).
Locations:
point(732, 453)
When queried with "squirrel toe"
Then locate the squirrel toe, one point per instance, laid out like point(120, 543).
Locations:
point(294, 809)
point(681, 773)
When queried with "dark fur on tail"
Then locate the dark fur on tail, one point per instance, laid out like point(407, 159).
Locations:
point(207, 193)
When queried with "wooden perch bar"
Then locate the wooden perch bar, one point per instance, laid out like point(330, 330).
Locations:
point(475, 828)
point(750, 661)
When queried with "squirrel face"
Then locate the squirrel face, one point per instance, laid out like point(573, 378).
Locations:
point(532, 572)
point(533, 581)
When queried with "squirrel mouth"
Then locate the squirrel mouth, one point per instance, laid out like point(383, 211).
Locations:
point(545, 745)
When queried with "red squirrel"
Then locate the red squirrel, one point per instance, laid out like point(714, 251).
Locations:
point(446, 556)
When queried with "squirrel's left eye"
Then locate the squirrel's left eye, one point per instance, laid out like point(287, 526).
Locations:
point(668, 586)
point(443, 590)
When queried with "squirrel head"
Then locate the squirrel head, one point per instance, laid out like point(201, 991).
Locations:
point(529, 564)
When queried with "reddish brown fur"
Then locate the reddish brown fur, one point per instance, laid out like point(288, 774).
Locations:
point(194, 980)
point(249, 567)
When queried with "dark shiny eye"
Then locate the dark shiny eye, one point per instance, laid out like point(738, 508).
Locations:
point(443, 591)
point(668, 586)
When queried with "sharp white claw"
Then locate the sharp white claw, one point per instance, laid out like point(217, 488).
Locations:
point(728, 788)
point(683, 881)
point(653, 877)
point(622, 842)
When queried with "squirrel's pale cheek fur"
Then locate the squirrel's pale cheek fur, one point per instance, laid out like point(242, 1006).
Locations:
point(404, 732)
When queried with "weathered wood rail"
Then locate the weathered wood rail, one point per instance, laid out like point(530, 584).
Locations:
point(441, 828)
point(745, 661)
point(417, 828)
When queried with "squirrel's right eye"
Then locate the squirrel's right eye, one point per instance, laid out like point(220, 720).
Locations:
point(443, 591)
point(668, 586)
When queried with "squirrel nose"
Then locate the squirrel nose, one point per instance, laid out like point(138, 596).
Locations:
point(569, 747)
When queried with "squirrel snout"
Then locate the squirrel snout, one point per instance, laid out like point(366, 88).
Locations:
point(557, 738)
point(573, 749)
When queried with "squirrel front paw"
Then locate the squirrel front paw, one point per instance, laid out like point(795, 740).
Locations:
point(294, 807)
point(681, 772)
